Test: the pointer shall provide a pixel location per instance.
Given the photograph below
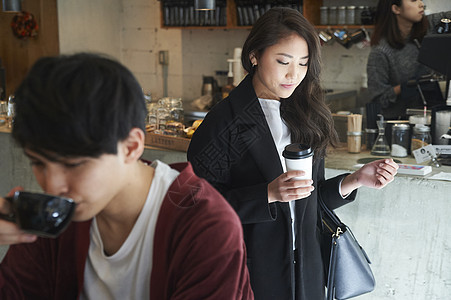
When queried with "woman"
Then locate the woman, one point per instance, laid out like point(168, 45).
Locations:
point(400, 28)
point(238, 150)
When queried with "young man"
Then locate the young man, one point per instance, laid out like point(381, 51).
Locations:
point(140, 230)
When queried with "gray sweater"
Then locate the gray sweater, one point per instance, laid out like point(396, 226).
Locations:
point(388, 67)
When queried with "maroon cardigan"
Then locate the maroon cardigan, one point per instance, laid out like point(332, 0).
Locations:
point(198, 252)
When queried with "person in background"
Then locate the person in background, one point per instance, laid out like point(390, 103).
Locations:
point(393, 59)
point(238, 149)
point(141, 230)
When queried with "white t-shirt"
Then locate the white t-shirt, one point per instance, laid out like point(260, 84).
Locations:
point(126, 273)
point(282, 137)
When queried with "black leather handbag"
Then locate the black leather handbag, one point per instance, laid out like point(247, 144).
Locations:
point(347, 265)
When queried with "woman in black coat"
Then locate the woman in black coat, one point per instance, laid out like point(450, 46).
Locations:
point(238, 147)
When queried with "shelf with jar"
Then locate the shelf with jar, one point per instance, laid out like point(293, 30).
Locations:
point(346, 16)
point(229, 14)
point(241, 14)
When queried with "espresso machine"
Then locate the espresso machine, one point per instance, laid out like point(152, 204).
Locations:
point(435, 53)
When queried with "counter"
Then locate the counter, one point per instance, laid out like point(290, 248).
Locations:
point(404, 227)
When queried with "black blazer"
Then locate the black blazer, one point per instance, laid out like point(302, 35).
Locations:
point(233, 149)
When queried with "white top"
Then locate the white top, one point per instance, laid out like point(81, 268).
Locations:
point(126, 273)
point(282, 137)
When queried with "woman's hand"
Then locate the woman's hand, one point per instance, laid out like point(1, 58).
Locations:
point(285, 189)
point(10, 233)
point(376, 174)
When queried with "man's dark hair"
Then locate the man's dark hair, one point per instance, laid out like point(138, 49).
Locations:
point(77, 105)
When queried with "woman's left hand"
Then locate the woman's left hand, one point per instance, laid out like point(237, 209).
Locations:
point(376, 174)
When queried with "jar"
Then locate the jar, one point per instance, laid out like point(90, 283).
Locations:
point(163, 115)
point(421, 137)
point(151, 120)
point(400, 140)
point(341, 15)
point(350, 15)
point(358, 14)
point(354, 141)
point(324, 15)
point(333, 15)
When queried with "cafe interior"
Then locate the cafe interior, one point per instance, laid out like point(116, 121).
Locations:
point(187, 60)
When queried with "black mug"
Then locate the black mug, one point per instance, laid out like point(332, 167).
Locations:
point(40, 214)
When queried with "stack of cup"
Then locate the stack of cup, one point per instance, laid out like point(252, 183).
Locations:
point(354, 133)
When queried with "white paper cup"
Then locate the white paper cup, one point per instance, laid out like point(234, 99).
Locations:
point(299, 157)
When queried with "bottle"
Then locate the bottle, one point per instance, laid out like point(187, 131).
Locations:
point(11, 110)
point(421, 137)
point(229, 87)
point(380, 146)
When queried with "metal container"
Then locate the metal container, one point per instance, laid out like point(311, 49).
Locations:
point(350, 15)
point(324, 15)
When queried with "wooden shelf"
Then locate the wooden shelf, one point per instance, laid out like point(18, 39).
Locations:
point(311, 11)
point(344, 26)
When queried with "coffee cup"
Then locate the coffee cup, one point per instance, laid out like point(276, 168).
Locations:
point(41, 214)
point(299, 157)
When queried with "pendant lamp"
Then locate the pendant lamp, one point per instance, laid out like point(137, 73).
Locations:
point(204, 4)
point(11, 5)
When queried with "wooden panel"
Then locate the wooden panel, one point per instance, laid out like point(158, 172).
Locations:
point(311, 10)
point(19, 55)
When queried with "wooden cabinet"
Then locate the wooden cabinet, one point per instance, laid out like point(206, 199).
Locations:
point(311, 10)
point(18, 55)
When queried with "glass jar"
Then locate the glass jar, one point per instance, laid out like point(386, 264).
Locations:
point(350, 15)
point(400, 140)
point(151, 121)
point(170, 116)
point(358, 15)
point(324, 15)
point(333, 15)
point(341, 15)
point(421, 137)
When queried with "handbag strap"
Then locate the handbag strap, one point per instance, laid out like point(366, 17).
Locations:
point(329, 212)
point(332, 264)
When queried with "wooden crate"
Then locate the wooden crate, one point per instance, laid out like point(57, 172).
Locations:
point(167, 142)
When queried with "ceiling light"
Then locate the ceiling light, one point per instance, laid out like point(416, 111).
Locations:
point(11, 5)
point(204, 4)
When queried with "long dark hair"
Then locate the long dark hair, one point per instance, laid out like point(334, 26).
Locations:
point(305, 111)
point(387, 26)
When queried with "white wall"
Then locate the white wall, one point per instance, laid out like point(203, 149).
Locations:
point(90, 25)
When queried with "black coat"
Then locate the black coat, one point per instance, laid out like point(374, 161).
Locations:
point(233, 149)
